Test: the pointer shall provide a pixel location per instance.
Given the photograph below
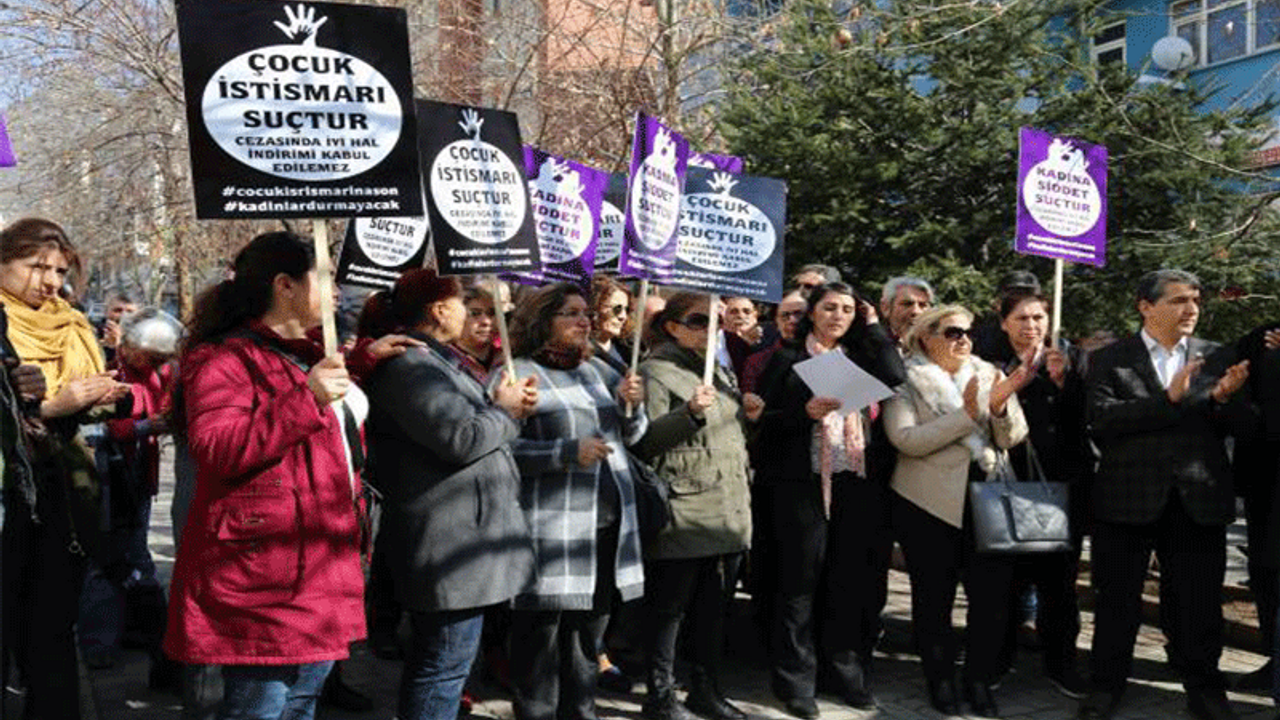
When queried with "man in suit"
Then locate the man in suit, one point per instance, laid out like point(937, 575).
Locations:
point(1156, 407)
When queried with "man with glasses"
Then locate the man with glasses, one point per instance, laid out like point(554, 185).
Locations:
point(813, 275)
point(1156, 408)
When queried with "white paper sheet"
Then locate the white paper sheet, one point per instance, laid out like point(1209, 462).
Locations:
point(833, 375)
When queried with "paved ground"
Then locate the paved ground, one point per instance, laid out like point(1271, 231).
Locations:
point(120, 693)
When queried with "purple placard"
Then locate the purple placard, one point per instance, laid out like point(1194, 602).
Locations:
point(1062, 198)
point(565, 199)
point(711, 161)
point(659, 159)
point(7, 158)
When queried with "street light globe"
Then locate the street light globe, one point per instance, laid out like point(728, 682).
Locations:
point(1173, 53)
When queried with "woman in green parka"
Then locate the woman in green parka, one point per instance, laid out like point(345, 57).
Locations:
point(697, 440)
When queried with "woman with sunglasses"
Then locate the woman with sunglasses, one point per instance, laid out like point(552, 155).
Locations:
point(826, 519)
point(474, 347)
point(577, 493)
point(611, 326)
point(951, 423)
point(697, 440)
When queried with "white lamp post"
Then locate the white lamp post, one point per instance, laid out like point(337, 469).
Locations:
point(1173, 53)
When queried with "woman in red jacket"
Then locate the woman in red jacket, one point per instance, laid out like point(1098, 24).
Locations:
point(268, 581)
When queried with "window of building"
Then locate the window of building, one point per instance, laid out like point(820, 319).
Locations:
point(1220, 30)
point(1108, 44)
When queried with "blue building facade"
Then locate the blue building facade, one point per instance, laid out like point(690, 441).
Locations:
point(1235, 44)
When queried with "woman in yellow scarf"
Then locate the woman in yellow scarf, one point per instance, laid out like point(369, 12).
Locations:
point(44, 561)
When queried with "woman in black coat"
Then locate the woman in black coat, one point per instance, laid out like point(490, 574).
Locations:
point(457, 541)
point(1053, 403)
point(829, 522)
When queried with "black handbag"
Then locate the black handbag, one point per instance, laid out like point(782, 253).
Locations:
point(1019, 517)
point(653, 498)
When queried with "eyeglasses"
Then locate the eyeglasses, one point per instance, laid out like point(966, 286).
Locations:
point(954, 333)
point(696, 321)
point(619, 310)
point(790, 314)
point(573, 314)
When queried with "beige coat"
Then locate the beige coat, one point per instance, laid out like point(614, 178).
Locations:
point(933, 459)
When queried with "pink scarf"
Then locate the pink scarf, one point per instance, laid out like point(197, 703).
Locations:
point(832, 429)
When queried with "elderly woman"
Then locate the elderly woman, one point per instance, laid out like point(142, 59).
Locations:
point(951, 422)
point(455, 537)
point(827, 519)
point(576, 490)
point(611, 322)
point(696, 439)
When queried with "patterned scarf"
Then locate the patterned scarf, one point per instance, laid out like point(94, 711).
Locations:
point(561, 356)
point(836, 429)
point(55, 336)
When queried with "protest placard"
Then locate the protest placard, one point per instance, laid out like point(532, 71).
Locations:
point(477, 195)
point(1062, 198)
point(659, 159)
point(565, 197)
point(375, 251)
point(7, 158)
point(731, 235)
point(299, 110)
point(612, 224)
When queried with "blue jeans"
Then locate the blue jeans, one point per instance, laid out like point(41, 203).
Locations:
point(272, 692)
point(444, 645)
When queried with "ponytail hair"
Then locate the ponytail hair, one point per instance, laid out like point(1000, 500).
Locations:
point(407, 305)
point(248, 294)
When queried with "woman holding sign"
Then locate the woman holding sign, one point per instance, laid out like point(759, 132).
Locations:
point(576, 490)
point(697, 440)
point(951, 422)
point(812, 468)
point(268, 582)
point(455, 538)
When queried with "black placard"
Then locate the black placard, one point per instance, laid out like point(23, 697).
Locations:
point(477, 196)
point(299, 109)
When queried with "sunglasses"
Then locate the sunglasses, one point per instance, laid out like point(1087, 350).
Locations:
point(696, 321)
point(954, 333)
point(619, 310)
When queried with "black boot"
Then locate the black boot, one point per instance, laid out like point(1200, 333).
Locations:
point(706, 700)
point(943, 696)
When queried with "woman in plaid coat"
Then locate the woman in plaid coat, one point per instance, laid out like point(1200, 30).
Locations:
point(577, 493)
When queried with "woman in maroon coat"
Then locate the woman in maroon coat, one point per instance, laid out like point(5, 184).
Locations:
point(268, 581)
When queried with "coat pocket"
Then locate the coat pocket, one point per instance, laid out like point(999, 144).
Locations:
point(257, 543)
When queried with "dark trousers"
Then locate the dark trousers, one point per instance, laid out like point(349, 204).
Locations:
point(42, 582)
point(553, 653)
point(1192, 564)
point(1057, 606)
point(939, 555)
point(838, 568)
point(701, 587)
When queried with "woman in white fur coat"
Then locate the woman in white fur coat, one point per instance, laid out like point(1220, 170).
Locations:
point(951, 421)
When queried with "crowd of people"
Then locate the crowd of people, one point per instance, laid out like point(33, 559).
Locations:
point(540, 516)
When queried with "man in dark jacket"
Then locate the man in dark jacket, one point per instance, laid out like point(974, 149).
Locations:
point(1155, 407)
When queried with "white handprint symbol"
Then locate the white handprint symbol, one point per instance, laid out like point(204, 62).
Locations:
point(471, 122)
point(302, 26)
